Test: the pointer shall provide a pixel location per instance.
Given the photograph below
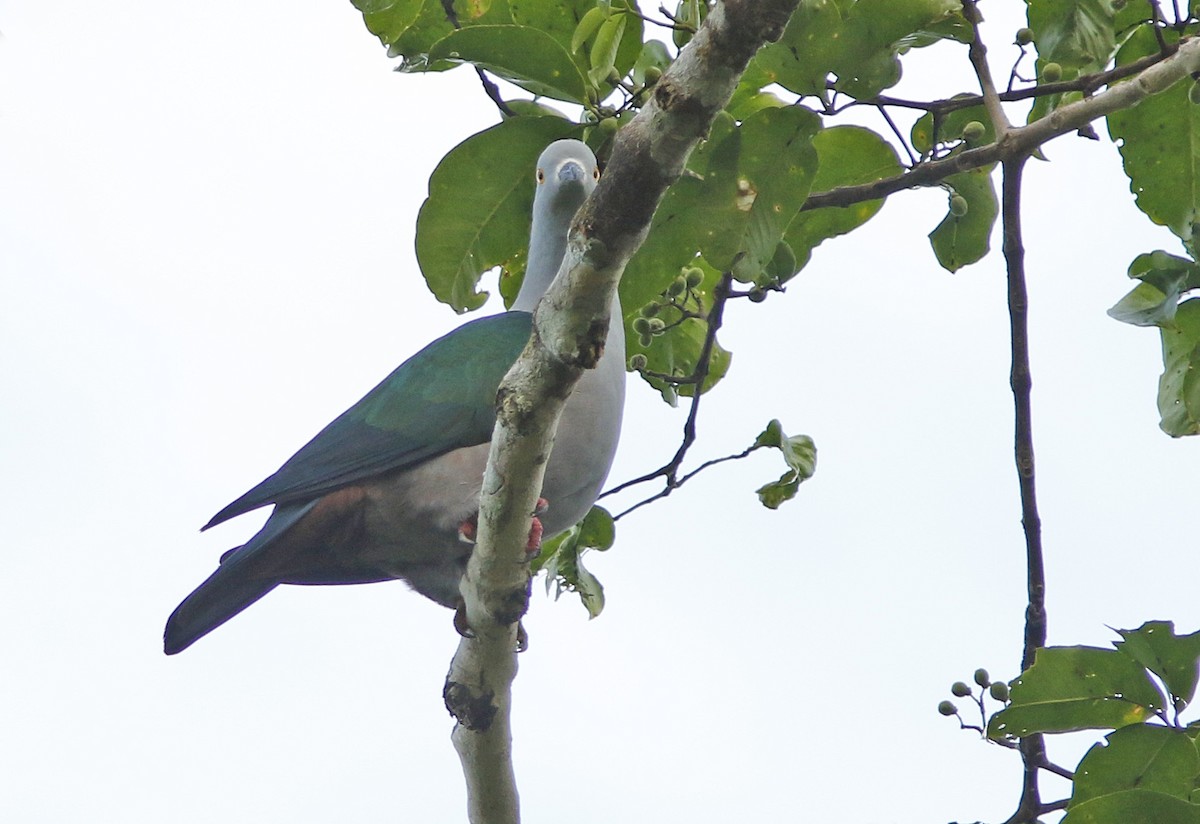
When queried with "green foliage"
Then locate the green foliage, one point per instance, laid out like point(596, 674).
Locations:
point(1144, 773)
point(477, 213)
point(846, 156)
point(800, 455)
point(964, 235)
point(523, 55)
point(1077, 688)
point(854, 46)
point(561, 558)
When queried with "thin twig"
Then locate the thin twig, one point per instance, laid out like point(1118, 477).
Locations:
point(670, 470)
point(977, 54)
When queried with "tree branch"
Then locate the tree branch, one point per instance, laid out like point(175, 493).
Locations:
point(1033, 750)
point(570, 325)
point(1023, 140)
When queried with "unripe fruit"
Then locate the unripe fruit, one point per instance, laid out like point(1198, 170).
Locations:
point(1052, 72)
point(652, 75)
point(608, 126)
point(947, 708)
point(645, 340)
point(1024, 36)
point(999, 691)
point(650, 310)
point(973, 131)
point(637, 362)
point(959, 206)
point(757, 295)
point(641, 326)
point(693, 276)
point(677, 287)
point(959, 690)
point(981, 677)
point(656, 325)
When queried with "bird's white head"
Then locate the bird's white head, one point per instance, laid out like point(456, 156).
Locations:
point(566, 174)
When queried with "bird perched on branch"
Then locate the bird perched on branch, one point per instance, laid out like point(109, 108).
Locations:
point(390, 489)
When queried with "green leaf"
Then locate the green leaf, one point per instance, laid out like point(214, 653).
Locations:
point(776, 167)
point(1179, 386)
point(700, 204)
point(676, 352)
point(854, 44)
point(1160, 146)
point(1076, 688)
point(523, 55)
point(587, 26)
point(389, 19)
point(603, 54)
point(561, 559)
point(799, 453)
point(1164, 279)
point(1173, 658)
point(410, 27)
point(960, 241)
point(1144, 773)
point(479, 206)
point(1135, 808)
point(928, 131)
point(1076, 34)
point(653, 53)
point(846, 156)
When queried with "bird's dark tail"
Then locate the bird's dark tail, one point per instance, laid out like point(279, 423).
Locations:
point(227, 592)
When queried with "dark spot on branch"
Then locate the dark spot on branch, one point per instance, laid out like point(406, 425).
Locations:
point(474, 711)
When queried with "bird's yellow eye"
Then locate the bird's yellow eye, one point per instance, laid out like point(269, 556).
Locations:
point(541, 176)
point(596, 173)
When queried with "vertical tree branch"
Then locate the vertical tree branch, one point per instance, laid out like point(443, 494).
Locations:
point(570, 325)
point(1032, 747)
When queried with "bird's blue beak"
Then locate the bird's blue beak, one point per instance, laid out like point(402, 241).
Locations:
point(571, 171)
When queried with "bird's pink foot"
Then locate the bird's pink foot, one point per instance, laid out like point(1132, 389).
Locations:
point(469, 529)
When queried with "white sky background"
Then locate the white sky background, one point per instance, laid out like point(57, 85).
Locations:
point(206, 221)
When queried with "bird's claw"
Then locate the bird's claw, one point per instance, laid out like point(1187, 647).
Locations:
point(464, 629)
point(469, 529)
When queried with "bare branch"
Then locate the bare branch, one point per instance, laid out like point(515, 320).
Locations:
point(1032, 747)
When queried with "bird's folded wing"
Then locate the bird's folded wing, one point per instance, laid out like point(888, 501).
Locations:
point(442, 398)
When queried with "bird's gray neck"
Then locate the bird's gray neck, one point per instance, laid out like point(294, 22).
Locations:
point(547, 245)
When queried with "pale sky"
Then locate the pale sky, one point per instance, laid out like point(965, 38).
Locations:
point(206, 233)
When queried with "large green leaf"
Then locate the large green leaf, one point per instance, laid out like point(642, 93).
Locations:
point(523, 55)
point(1077, 688)
point(1160, 147)
point(410, 27)
point(962, 240)
point(776, 167)
point(479, 206)
point(854, 44)
point(846, 156)
point(1173, 658)
point(1076, 34)
point(700, 204)
point(1144, 773)
point(1179, 386)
